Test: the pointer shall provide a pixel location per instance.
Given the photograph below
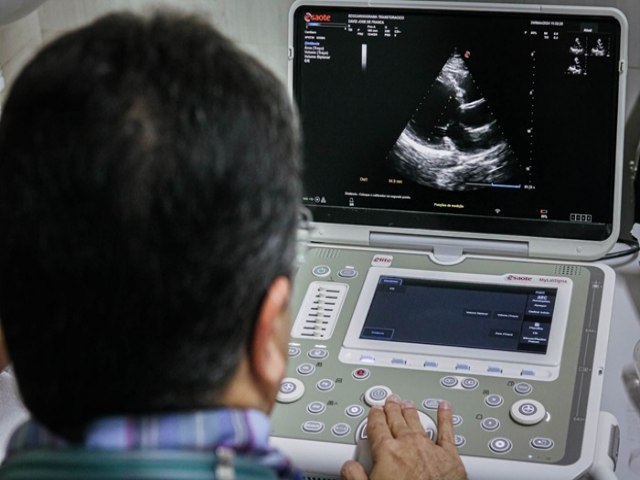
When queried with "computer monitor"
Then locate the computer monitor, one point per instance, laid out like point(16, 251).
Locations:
point(471, 124)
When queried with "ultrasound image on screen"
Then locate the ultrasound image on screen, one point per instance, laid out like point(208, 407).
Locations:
point(463, 147)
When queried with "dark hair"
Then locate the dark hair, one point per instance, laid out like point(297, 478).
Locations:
point(149, 188)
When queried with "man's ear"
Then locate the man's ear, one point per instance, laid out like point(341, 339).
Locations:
point(268, 356)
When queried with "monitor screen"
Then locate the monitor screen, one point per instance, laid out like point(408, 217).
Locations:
point(487, 122)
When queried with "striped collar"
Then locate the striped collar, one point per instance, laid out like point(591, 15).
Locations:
point(245, 431)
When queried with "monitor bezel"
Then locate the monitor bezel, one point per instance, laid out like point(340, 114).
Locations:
point(334, 225)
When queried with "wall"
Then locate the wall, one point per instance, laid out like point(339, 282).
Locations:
point(18, 40)
point(259, 26)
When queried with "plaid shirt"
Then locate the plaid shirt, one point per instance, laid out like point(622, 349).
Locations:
point(245, 431)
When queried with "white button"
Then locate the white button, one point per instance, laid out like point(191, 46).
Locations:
point(490, 424)
point(321, 271)
point(493, 400)
point(318, 353)
point(316, 407)
point(459, 440)
point(305, 369)
point(500, 445)
point(312, 426)
point(325, 385)
point(456, 420)
point(449, 382)
point(469, 383)
point(431, 403)
point(377, 395)
point(294, 351)
point(354, 410)
point(522, 388)
point(528, 412)
point(361, 432)
point(341, 429)
point(291, 389)
point(348, 273)
point(542, 443)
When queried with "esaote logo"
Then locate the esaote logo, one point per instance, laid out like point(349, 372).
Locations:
point(320, 17)
point(523, 278)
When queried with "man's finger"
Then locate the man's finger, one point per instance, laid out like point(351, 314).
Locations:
point(446, 435)
point(377, 428)
point(395, 417)
point(352, 470)
point(410, 414)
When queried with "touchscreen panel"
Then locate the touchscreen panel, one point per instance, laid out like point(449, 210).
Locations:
point(493, 317)
point(422, 315)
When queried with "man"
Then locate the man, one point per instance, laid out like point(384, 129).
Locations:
point(149, 187)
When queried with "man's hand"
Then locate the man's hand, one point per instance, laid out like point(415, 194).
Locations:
point(401, 449)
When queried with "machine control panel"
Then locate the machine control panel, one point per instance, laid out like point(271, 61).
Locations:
point(516, 346)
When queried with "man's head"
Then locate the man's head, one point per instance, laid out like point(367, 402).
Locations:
point(148, 201)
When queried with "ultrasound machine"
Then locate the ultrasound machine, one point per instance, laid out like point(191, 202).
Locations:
point(462, 165)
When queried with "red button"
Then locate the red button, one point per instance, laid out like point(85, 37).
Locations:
point(360, 373)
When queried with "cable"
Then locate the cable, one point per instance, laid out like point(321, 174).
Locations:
point(634, 247)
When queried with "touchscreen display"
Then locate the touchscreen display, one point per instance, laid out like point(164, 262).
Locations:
point(484, 316)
